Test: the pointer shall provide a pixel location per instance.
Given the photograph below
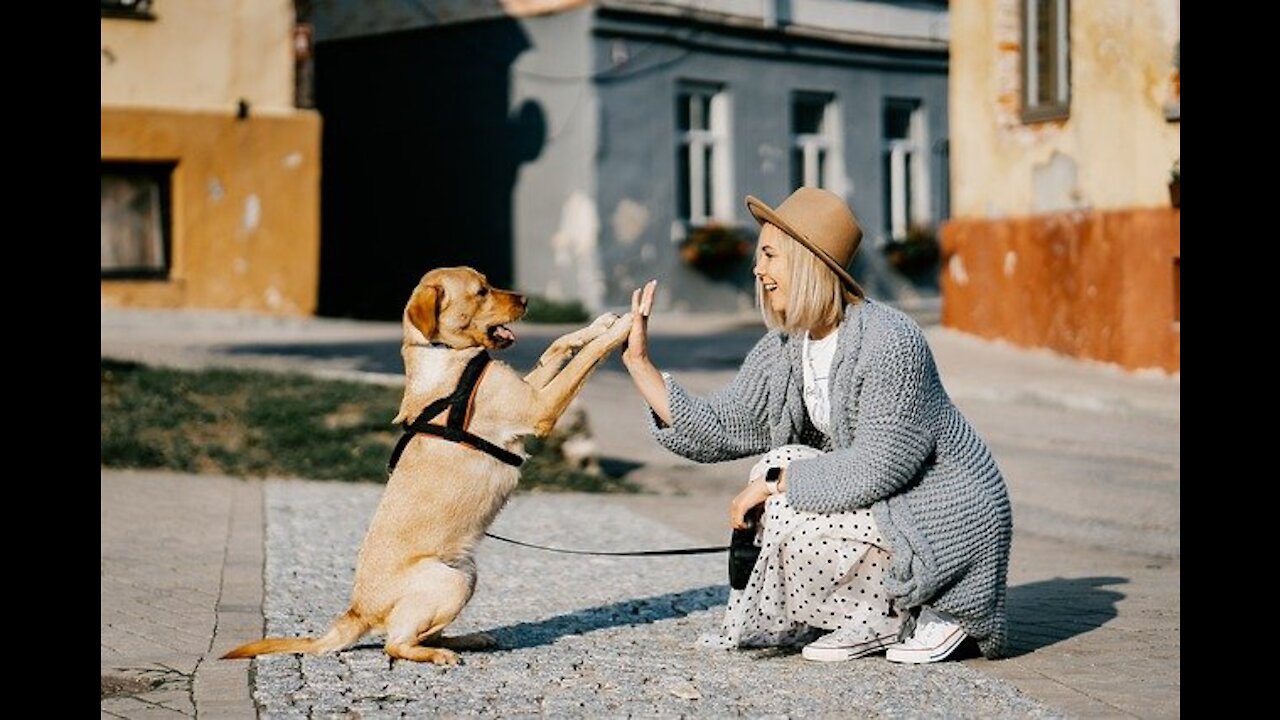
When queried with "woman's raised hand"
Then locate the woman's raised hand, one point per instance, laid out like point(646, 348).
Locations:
point(638, 341)
point(635, 356)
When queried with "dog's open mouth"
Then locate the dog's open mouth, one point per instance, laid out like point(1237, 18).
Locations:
point(501, 336)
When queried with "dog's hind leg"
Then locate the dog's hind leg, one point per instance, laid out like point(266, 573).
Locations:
point(437, 594)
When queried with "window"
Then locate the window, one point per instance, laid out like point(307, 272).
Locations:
point(813, 140)
point(906, 167)
point(703, 164)
point(127, 9)
point(1046, 54)
point(135, 220)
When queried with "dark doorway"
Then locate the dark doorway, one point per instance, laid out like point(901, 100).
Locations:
point(420, 152)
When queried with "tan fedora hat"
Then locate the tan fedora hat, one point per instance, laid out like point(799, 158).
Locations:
point(819, 220)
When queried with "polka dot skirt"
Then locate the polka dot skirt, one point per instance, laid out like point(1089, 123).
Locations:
point(816, 572)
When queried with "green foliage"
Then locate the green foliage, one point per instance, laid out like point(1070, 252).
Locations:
point(544, 310)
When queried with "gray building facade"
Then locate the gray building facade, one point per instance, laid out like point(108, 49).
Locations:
point(575, 150)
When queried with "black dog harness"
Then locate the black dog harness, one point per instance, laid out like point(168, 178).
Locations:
point(455, 429)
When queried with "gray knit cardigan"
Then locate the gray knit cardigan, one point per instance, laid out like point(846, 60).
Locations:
point(898, 445)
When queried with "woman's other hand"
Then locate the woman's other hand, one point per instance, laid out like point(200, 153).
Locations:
point(752, 495)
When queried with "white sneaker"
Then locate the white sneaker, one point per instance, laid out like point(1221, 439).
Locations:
point(935, 638)
point(845, 644)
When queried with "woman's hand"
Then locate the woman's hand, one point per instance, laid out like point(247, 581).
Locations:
point(752, 495)
point(635, 356)
point(637, 349)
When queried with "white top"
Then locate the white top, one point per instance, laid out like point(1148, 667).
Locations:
point(818, 355)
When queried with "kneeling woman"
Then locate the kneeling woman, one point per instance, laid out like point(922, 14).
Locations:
point(886, 521)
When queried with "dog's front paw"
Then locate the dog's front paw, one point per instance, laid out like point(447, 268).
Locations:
point(618, 331)
point(604, 322)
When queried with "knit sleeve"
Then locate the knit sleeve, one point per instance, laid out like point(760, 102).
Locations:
point(729, 423)
point(892, 436)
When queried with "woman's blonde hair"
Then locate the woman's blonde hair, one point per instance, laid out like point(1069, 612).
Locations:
point(815, 295)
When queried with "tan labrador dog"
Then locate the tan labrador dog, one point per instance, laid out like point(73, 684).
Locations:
point(415, 571)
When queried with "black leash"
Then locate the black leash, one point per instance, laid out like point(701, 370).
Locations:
point(627, 553)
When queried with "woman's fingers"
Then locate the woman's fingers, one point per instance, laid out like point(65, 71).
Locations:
point(646, 300)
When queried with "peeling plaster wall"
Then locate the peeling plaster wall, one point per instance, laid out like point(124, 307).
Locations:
point(556, 220)
point(1063, 236)
point(245, 208)
point(201, 55)
point(1116, 148)
point(1103, 286)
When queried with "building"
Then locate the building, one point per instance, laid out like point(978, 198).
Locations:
point(1065, 127)
point(576, 149)
point(210, 175)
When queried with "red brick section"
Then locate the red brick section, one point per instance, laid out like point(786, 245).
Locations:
point(1100, 285)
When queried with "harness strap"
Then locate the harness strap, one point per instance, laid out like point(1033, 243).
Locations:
point(455, 428)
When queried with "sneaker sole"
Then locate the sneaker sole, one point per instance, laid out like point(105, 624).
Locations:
point(927, 655)
point(842, 654)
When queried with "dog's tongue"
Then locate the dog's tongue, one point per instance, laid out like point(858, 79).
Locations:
point(502, 332)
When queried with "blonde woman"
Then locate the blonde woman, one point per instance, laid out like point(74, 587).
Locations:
point(885, 521)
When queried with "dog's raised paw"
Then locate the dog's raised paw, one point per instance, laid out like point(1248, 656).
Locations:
point(605, 321)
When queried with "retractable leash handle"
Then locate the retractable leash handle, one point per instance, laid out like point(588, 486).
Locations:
point(743, 550)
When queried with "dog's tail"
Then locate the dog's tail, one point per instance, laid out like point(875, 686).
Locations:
point(345, 631)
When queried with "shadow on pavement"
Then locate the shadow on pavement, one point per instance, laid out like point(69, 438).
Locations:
point(1049, 611)
point(639, 611)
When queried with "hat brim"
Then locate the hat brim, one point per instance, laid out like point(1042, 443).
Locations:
point(765, 214)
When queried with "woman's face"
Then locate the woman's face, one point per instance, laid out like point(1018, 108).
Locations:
point(772, 271)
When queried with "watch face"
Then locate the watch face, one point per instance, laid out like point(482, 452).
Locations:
point(772, 474)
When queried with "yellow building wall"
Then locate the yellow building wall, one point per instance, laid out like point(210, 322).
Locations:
point(245, 208)
point(245, 194)
point(201, 54)
point(1117, 141)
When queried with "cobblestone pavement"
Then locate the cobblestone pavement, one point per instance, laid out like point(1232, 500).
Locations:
point(579, 637)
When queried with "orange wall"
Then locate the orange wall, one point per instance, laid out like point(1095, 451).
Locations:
point(245, 207)
point(1091, 285)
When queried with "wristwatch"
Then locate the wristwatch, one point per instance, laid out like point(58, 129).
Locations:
point(771, 478)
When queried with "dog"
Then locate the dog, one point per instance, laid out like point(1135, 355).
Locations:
point(416, 568)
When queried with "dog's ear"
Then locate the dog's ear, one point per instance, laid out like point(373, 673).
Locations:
point(423, 309)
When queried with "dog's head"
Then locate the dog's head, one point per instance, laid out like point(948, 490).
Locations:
point(458, 307)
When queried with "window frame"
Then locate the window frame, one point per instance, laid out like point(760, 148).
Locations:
point(692, 143)
point(1060, 108)
point(128, 10)
point(162, 173)
point(825, 141)
point(911, 173)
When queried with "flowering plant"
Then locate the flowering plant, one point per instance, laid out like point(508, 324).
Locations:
point(715, 249)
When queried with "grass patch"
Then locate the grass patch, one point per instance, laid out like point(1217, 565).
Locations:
point(257, 424)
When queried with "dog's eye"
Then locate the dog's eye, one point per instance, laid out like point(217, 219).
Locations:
point(482, 291)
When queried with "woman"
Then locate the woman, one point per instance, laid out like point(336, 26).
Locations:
point(886, 521)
